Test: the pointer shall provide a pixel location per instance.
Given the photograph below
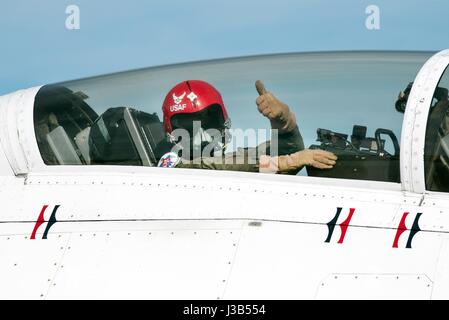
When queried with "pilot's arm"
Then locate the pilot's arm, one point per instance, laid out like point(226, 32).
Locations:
point(292, 156)
point(247, 161)
point(285, 131)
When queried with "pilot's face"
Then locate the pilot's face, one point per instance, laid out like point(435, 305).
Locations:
point(204, 130)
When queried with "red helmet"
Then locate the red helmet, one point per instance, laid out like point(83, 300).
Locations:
point(191, 97)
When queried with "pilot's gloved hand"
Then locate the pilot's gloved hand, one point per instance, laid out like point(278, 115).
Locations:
point(316, 158)
point(280, 115)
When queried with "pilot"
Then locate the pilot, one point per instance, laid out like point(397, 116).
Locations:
point(197, 123)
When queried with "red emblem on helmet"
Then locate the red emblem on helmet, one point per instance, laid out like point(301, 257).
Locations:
point(189, 97)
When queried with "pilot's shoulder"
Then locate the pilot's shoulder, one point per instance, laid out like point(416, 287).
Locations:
point(169, 160)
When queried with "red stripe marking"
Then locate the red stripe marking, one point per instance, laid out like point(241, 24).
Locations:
point(401, 229)
point(39, 222)
point(344, 226)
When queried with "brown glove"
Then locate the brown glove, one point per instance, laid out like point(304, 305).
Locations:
point(316, 158)
point(280, 115)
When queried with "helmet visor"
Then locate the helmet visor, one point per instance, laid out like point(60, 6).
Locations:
point(209, 118)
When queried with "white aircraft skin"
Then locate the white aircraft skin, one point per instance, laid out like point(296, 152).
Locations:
point(112, 232)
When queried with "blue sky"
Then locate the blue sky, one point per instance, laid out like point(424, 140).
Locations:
point(36, 48)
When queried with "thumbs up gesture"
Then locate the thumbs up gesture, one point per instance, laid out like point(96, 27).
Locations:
point(276, 111)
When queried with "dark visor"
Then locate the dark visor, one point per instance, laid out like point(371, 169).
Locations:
point(210, 118)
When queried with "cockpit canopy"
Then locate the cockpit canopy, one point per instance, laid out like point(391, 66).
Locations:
point(344, 102)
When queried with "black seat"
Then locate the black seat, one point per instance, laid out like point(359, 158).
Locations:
point(125, 136)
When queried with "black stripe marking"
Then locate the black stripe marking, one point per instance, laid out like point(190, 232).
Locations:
point(415, 229)
point(51, 222)
point(331, 225)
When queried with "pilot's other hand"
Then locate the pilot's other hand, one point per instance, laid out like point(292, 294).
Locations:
point(316, 158)
point(278, 112)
